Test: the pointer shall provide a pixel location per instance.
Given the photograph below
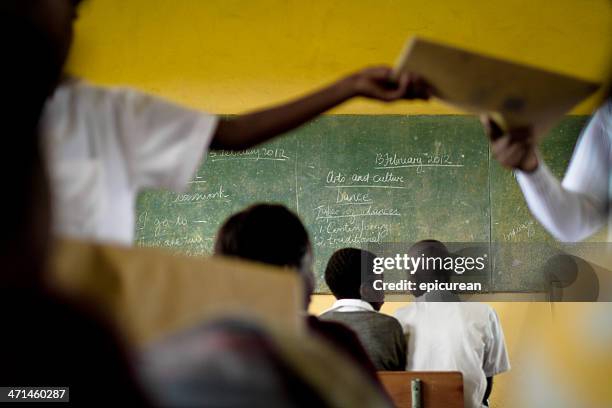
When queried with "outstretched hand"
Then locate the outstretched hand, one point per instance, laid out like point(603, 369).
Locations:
point(513, 150)
point(379, 83)
point(250, 129)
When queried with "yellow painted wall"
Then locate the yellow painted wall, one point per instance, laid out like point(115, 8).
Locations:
point(228, 56)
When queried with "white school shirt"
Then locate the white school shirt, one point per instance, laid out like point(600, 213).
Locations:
point(577, 207)
point(350, 305)
point(103, 145)
point(455, 336)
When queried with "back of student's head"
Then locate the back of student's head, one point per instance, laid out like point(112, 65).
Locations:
point(433, 254)
point(270, 234)
point(54, 18)
point(227, 363)
point(346, 272)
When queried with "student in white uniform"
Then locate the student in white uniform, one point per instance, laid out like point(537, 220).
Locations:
point(106, 144)
point(446, 335)
point(577, 207)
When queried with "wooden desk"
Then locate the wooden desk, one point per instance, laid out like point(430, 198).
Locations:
point(439, 389)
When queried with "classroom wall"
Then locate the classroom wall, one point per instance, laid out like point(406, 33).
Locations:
point(227, 56)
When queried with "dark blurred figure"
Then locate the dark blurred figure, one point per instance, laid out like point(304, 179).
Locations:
point(349, 276)
point(46, 340)
point(272, 234)
point(226, 363)
point(31, 67)
point(570, 279)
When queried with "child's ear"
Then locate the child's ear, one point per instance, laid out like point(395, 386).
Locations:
point(363, 291)
point(369, 294)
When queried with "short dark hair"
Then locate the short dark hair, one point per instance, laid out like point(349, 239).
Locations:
point(429, 248)
point(268, 233)
point(345, 269)
point(271, 234)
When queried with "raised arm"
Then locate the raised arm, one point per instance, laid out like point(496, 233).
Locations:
point(573, 209)
point(253, 128)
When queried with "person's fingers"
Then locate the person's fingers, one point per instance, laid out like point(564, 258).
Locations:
point(429, 88)
point(379, 73)
point(422, 89)
point(499, 145)
point(486, 125)
point(530, 161)
point(514, 149)
point(380, 82)
point(382, 87)
point(507, 153)
point(516, 155)
point(418, 88)
point(523, 133)
point(495, 128)
point(377, 92)
point(404, 82)
point(400, 89)
point(512, 155)
point(492, 128)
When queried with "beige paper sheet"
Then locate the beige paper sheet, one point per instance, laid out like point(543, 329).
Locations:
point(518, 95)
point(150, 292)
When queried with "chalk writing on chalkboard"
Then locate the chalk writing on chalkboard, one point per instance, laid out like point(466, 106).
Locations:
point(359, 180)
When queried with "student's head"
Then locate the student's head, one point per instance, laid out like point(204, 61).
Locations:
point(433, 254)
point(349, 276)
point(227, 363)
point(55, 18)
point(270, 234)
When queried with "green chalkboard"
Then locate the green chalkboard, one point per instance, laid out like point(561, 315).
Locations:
point(522, 244)
point(357, 180)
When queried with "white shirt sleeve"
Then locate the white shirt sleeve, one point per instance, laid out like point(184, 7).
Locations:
point(163, 142)
point(496, 356)
point(577, 207)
